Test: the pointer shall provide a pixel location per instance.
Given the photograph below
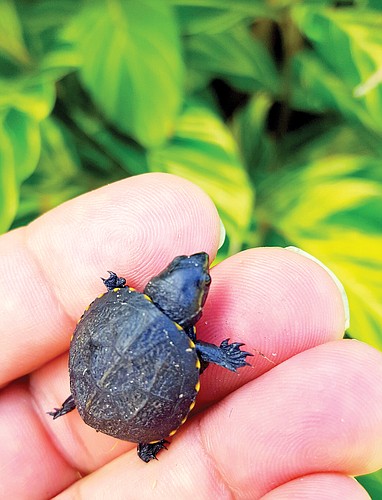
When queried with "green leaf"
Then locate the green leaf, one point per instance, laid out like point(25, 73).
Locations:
point(318, 89)
point(214, 16)
point(35, 100)
point(372, 483)
point(45, 54)
point(132, 65)
point(43, 18)
point(115, 148)
point(332, 208)
point(57, 178)
point(11, 34)
point(24, 133)
point(27, 81)
point(204, 152)
point(374, 4)
point(8, 184)
point(19, 152)
point(250, 130)
point(234, 55)
point(100, 146)
point(20, 142)
point(326, 137)
point(348, 76)
point(44, 23)
point(59, 150)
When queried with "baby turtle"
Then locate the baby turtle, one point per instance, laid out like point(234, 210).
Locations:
point(134, 360)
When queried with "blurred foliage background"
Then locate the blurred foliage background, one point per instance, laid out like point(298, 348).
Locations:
point(273, 107)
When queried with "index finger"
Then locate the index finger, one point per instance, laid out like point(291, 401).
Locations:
point(50, 270)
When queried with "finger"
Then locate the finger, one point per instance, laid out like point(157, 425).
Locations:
point(324, 486)
point(320, 411)
point(50, 270)
point(257, 281)
point(276, 302)
point(30, 464)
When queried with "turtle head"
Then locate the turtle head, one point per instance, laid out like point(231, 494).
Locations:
point(181, 289)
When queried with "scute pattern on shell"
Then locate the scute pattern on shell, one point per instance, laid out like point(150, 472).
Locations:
point(133, 373)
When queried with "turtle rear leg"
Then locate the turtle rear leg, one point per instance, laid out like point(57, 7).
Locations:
point(67, 406)
point(149, 451)
point(227, 355)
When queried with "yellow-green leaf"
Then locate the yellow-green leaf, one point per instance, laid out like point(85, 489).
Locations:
point(36, 101)
point(19, 152)
point(332, 208)
point(11, 34)
point(204, 152)
point(348, 43)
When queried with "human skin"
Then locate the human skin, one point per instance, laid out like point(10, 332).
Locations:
point(298, 423)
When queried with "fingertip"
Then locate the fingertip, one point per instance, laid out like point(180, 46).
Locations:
point(321, 486)
point(336, 280)
point(133, 227)
point(267, 297)
point(278, 303)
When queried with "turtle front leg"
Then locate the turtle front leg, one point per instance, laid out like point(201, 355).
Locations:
point(227, 355)
point(149, 451)
point(67, 406)
point(113, 281)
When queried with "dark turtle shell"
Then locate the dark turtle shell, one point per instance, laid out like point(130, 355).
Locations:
point(134, 373)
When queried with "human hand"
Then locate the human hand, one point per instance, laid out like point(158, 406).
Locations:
point(298, 427)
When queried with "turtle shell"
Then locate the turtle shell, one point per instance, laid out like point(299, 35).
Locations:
point(134, 373)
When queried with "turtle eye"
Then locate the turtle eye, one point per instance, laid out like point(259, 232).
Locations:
point(207, 279)
point(204, 281)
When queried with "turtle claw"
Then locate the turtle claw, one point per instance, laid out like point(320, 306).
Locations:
point(113, 281)
point(232, 356)
point(149, 451)
point(67, 406)
point(227, 355)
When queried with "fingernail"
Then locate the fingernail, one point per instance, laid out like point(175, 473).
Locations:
point(333, 276)
point(222, 234)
